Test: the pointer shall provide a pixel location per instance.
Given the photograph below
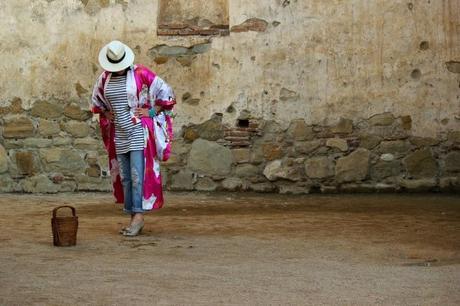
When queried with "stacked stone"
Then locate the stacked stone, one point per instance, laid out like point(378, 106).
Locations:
point(378, 154)
point(56, 147)
point(53, 147)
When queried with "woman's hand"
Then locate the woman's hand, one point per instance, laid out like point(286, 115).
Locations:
point(158, 109)
point(144, 112)
point(141, 112)
point(109, 115)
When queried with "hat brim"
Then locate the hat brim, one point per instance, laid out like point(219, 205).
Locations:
point(127, 61)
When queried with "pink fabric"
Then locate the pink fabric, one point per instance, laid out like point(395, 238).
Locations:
point(153, 191)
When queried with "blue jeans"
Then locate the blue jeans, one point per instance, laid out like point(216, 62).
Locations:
point(132, 179)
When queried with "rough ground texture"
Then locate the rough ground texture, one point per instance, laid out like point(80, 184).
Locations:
point(231, 249)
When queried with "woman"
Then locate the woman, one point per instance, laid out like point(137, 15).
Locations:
point(134, 107)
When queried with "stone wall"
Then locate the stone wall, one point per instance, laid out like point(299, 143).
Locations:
point(274, 96)
point(378, 154)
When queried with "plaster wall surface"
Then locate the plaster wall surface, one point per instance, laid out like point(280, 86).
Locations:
point(316, 60)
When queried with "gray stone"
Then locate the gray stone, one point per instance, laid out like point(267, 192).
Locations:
point(299, 130)
point(450, 184)
point(48, 127)
point(353, 167)
point(9, 185)
point(246, 170)
point(66, 161)
point(210, 158)
point(357, 188)
point(200, 48)
point(338, 143)
point(14, 144)
point(77, 129)
point(292, 189)
point(38, 142)
point(369, 141)
point(87, 143)
point(421, 164)
point(328, 189)
point(388, 132)
point(382, 119)
point(74, 111)
point(205, 184)
point(257, 153)
point(211, 129)
point(454, 136)
point(425, 184)
point(233, 183)
point(273, 169)
point(279, 169)
point(387, 157)
point(383, 187)
point(165, 50)
point(241, 155)
point(183, 180)
point(262, 187)
point(179, 147)
point(164, 177)
point(86, 183)
point(173, 160)
point(423, 141)
point(3, 160)
point(394, 146)
point(452, 162)
point(47, 110)
point(319, 167)
point(40, 184)
point(103, 162)
point(67, 186)
point(18, 127)
point(344, 126)
point(384, 169)
point(306, 147)
point(62, 141)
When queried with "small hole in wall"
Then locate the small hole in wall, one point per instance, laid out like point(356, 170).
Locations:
point(416, 74)
point(243, 123)
point(424, 45)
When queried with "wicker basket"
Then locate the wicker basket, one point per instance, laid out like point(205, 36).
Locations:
point(64, 228)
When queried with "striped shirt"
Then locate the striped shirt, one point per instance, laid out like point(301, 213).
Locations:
point(128, 136)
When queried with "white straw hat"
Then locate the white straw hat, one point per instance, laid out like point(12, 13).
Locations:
point(116, 56)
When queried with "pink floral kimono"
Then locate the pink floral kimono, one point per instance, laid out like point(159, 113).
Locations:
point(143, 87)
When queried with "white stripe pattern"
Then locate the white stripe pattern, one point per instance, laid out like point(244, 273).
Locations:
point(128, 136)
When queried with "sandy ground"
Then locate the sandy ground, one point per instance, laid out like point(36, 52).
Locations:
point(236, 249)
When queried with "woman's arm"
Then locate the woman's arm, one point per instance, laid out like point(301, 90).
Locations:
point(162, 94)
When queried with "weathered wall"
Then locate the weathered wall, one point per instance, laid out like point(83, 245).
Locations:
point(389, 69)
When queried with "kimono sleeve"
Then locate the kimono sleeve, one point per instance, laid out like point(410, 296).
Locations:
point(162, 94)
point(97, 98)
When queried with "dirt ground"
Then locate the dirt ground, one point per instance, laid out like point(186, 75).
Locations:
point(236, 249)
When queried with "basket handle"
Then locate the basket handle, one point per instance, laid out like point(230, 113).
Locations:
point(59, 207)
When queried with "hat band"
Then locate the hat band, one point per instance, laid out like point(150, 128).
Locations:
point(116, 61)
